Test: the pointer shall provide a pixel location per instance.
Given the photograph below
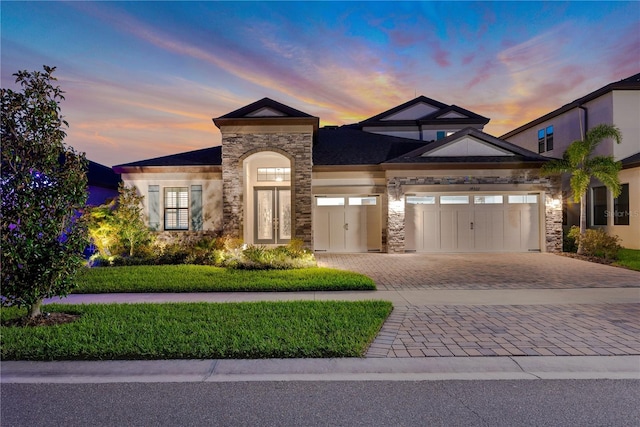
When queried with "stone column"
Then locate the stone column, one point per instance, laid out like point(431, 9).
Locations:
point(553, 216)
point(232, 185)
point(395, 217)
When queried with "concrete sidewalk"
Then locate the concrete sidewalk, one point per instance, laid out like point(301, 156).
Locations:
point(411, 369)
point(399, 297)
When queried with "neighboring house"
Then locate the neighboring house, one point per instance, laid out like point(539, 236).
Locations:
point(103, 184)
point(419, 177)
point(617, 103)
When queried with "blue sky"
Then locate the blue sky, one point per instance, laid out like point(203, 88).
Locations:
point(143, 79)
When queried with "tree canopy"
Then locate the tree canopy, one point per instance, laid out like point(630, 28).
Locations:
point(43, 188)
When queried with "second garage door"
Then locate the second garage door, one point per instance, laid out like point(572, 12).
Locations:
point(472, 223)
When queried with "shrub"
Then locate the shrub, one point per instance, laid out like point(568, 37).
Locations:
point(596, 242)
point(569, 241)
point(220, 252)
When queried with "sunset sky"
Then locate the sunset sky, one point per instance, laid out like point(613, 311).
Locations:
point(144, 79)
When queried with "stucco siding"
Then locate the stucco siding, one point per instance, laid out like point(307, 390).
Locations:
point(211, 193)
point(626, 107)
point(629, 234)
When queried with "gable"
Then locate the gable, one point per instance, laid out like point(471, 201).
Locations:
point(453, 115)
point(265, 112)
point(467, 146)
point(413, 112)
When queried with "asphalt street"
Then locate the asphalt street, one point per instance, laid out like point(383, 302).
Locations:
point(325, 403)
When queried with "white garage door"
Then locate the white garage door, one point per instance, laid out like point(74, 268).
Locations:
point(346, 224)
point(472, 223)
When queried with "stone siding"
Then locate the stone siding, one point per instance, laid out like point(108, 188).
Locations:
point(297, 147)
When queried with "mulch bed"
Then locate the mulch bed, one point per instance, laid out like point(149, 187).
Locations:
point(45, 319)
point(587, 258)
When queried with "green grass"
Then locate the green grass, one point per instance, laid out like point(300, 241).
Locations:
point(300, 329)
point(629, 258)
point(200, 278)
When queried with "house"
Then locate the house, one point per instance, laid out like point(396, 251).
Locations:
point(103, 184)
point(617, 103)
point(419, 177)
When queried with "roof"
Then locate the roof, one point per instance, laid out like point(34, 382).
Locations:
point(102, 176)
point(512, 153)
point(433, 113)
point(630, 83)
point(204, 157)
point(631, 161)
point(347, 146)
point(265, 104)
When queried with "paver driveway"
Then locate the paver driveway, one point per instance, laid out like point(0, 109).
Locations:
point(481, 271)
point(516, 329)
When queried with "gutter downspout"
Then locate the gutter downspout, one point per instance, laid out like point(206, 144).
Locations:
point(583, 132)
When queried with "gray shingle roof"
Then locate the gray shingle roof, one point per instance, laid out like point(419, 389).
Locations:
point(102, 176)
point(265, 103)
point(347, 146)
point(428, 119)
point(204, 157)
point(631, 161)
point(519, 154)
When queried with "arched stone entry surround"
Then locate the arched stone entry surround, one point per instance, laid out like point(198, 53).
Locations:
point(245, 142)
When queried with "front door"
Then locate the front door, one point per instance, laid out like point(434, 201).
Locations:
point(272, 215)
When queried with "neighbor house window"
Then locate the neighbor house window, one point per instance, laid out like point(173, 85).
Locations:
point(549, 137)
point(274, 174)
point(441, 134)
point(599, 198)
point(545, 139)
point(621, 206)
point(176, 208)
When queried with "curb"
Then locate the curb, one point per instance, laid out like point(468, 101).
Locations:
point(397, 369)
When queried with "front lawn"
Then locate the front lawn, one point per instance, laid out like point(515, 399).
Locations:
point(629, 258)
point(299, 329)
point(201, 278)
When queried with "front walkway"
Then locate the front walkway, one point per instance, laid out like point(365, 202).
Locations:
point(508, 305)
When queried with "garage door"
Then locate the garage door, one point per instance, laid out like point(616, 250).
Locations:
point(346, 224)
point(472, 223)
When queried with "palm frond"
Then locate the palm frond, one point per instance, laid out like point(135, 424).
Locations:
point(601, 132)
point(605, 169)
point(579, 183)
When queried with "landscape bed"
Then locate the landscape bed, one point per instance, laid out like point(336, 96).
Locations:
point(201, 278)
point(297, 329)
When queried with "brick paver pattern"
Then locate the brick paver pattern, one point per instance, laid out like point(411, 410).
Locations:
point(498, 330)
point(522, 330)
point(481, 271)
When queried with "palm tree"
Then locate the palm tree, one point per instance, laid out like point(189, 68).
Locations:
point(579, 162)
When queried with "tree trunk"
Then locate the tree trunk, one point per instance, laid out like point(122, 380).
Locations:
point(583, 223)
point(34, 309)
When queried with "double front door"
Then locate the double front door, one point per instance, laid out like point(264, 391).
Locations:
point(272, 215)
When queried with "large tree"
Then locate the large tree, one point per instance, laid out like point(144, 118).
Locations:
point(580, 163)
point(43, 188)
